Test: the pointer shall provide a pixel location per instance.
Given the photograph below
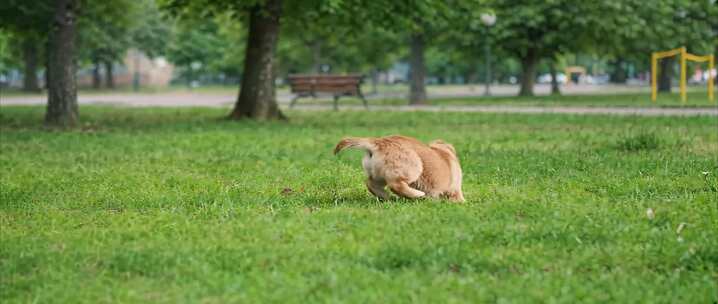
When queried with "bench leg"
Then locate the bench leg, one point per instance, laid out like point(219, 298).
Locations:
point(336, 102)
point(294, 100)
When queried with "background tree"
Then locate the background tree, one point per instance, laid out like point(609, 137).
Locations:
point(671, 24)
point(194, 46)
point(424, 20)
point(233, 35)
point(150, 31)
point(257, 91)
point(420, 22)
point(105, 34)
point(29, 21)
point(62, 109)
point(318, 34)
point(636, 29)
point(367, 49)
point(532, 31)
point(370, 50)
point(6, 60)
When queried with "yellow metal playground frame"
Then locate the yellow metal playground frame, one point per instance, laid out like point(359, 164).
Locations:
point(655, 56)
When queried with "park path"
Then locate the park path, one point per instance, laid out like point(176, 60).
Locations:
point(226, 99)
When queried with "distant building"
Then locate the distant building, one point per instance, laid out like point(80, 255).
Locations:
point(155, 72)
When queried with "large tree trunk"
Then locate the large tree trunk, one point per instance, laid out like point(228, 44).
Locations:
point(96, 77)
point(109, 75)
point(29, 54)
point(417, 71)
point(528, 73)
point(555, 90)
point(257, 97)
point(665, 73)
point(62, 107)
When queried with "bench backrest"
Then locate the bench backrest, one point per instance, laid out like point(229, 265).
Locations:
point(343, 84)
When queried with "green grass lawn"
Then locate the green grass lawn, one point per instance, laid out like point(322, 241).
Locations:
point(177, 205)
point(696, 99)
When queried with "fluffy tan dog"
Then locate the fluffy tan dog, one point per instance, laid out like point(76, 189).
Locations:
point(409, 167)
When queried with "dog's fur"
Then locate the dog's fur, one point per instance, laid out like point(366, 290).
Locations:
point(409, 167)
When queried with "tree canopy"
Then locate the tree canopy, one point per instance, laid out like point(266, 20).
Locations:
point(256, 41)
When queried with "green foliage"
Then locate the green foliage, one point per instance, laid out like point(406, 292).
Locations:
point(6, 59)
point(313, 33)
point(214, 46)
point(640, 29)
point(175, 205)
point(151, 31)
point(547, 27)
point(109, 28)
point(26, 16)
point(105, 29)
point(346, 51)
point(23, 21)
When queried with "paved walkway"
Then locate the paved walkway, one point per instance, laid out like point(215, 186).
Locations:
point(226, 99)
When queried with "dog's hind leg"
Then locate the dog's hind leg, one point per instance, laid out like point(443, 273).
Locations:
point(401, 188)
point(456, 196)
point(377, 188)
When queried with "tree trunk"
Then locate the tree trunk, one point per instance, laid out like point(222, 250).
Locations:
point(555, 90)
point(472, 76)
point(48, 45)
point(109, 75)
point(374, 81)
point(62, 107)
point(665, 73)
point(29, 54)
point(528, 73)
point(417, 71)
point(190, 74)
point(96, 77)
point(619, 74)
point(257, 93)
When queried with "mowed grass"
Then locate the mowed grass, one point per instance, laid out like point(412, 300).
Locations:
point(178, 205)
point(695, 99)
point(698, 98)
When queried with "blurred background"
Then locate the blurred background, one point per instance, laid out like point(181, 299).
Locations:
point(454, 49)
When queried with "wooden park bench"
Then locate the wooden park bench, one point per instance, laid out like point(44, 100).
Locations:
point(336, 85)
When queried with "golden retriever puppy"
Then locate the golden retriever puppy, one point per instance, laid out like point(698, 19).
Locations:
point(409, 167)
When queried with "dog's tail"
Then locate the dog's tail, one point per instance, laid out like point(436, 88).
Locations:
point(363, 143)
